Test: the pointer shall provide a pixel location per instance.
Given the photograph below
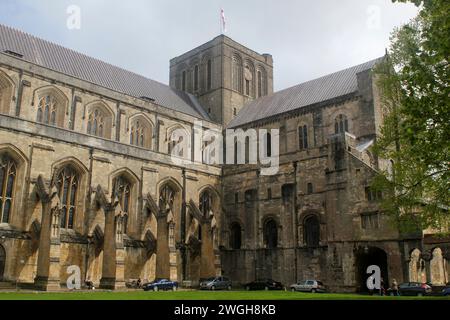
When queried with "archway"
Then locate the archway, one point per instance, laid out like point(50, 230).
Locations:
point(236, 236)
point(312, 231)
point(368, 256)
point(271, 234)
point(437, 268)
point(2, 261)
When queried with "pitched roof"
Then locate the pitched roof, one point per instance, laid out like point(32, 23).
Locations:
point(305, 94)
point(78, 65)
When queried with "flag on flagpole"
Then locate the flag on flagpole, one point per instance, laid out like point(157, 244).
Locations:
point(223, 21)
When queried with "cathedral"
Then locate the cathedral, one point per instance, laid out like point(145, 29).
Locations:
point(88, 177)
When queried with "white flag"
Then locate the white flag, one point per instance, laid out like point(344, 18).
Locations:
point(224, 24)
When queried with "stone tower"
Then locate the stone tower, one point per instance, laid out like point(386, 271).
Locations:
point(224, 75)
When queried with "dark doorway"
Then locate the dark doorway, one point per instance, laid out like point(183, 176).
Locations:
point(367, 256)
point(2, 261)
point(271, 234)
point(235, 239)
point(312, 231)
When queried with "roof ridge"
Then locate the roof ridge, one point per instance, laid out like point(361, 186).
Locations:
point(81, 53)
point(323, 88)
point(330, 74)
point(94, 70)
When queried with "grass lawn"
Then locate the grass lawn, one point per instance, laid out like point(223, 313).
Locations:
point(196, 295)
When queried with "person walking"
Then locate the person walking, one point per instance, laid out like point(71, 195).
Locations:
point(395, 287)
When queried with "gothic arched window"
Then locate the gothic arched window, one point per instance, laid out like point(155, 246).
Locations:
point(122, 189)
point(312, 231)
point(303, 137)
point(235, 236)
point(8, 172)
point(237, 73)
point(209, 75)
point(271, 234)
point(5, 94)
point(140, 134)
point(178, 138)
point(166, 198)
point(340, 124)
point(248, 80)
point(47, 110)
point(247, 150)
point(261, 82)
point(67, 184)
point(206, 203)
point(99, 123)
point(196, 78)
point(183, 80)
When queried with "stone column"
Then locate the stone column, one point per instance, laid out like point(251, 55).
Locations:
point(162, 247)
point(426, 256)
point(446, 257)
point(207, 268)
point(113, 251)
point(120, 252)
point(48, 266)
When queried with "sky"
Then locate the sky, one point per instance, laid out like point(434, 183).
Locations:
point(307, 39)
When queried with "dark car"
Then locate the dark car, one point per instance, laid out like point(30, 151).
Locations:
point(161, 284)
point(446, 290)
point(264, 284)
point(414, 289)
point(216, 283)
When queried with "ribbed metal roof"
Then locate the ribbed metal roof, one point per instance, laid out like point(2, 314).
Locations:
point(78, 65)
point(308, 93)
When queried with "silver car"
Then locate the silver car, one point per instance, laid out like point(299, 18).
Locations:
point(216, 283)
point(308, 286)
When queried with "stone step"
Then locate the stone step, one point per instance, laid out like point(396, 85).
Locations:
point(7, 285)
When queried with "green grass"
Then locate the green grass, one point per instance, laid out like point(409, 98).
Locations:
point(195, 295)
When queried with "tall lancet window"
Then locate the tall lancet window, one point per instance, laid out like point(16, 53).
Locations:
point(96, 123)
point(8, 172)
point(67, 185)
point(122, 189)
point(341, 124)
point(47, 109)
point(206, 203)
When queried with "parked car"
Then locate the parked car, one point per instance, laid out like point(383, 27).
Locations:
point(264, 284)
point(446, 290)
point(161, 284)
point(216, 283)
point(309, 286)
point(413, 289)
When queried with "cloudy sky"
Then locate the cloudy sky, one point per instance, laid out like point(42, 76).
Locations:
point(307, 38)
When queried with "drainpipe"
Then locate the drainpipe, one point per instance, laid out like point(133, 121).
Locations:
point(183, 227)
point(295, 221)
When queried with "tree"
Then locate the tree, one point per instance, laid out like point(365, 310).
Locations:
point(415, 135)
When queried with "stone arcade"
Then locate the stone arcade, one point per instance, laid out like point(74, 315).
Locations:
point(87, 179)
